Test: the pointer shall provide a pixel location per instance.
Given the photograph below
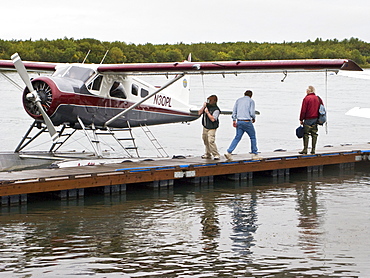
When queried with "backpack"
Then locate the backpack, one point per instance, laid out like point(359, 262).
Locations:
point(322, 114)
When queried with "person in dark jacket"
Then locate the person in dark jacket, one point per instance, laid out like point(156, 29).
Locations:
point(308, 118)
point(210, 122)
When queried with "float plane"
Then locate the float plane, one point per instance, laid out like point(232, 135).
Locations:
point(108, 97)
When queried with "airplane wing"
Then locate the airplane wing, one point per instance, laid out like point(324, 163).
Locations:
point(359, 112)
point(30, 66)
point(222, 67)
point(231, 66)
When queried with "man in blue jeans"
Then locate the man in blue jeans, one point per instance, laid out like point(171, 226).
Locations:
point(244, 115)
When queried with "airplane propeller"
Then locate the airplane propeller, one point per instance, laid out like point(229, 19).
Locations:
point(33, 95)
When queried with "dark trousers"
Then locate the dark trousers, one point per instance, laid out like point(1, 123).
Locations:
point(309, 130)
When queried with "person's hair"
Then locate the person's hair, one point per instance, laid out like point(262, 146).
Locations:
point(248, 93)
point(213, 97)
point(311, 89)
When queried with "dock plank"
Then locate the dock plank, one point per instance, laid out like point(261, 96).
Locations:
point(43, 180)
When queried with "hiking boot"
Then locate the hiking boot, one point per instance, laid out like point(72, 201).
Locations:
point(205, 156)
point(216, 158)
point(228, 156)
point(305, 145)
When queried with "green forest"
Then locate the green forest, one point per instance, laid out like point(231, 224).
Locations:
point(69, 50)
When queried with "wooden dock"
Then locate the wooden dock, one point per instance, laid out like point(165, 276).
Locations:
point(71, 182)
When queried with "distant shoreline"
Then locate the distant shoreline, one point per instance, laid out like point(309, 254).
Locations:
point(69, 50)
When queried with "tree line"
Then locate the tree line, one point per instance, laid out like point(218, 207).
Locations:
point(69, 50)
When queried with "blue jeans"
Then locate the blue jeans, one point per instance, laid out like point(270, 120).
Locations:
point(242, 127)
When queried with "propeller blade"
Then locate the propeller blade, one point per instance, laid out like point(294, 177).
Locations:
point(21, 69)
point(48, 122)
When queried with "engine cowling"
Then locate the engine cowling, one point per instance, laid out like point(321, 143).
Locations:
point(45, 89)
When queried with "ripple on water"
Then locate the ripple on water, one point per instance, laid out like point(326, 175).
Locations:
point(297, 228)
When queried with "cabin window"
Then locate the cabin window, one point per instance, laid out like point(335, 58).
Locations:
point(117, 90)
point(135, 89)
point(144, 93)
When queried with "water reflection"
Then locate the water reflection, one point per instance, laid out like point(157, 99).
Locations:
point(226, 229)
point(244, 223)
point(308, 217)
point(210, 224)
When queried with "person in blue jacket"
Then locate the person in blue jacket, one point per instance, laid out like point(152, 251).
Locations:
point(244, 116)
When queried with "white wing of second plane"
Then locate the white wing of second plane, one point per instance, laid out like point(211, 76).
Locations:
point(359, 112)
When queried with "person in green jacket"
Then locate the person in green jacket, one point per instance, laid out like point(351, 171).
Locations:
point(210, 122)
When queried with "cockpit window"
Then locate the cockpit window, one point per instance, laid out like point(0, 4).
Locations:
point(74, 72)
point(117, 90)
point(96, 83)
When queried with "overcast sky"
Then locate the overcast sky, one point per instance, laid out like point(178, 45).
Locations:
point(191, 21)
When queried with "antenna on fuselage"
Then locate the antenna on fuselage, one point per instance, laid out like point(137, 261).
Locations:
point(189, 57)
point(106, 52)
point(83, 62)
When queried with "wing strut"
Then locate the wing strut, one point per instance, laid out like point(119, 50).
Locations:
point(107, 123)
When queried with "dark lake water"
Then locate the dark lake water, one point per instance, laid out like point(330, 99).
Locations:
point(300, 226)
point(303, 226)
